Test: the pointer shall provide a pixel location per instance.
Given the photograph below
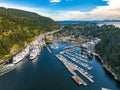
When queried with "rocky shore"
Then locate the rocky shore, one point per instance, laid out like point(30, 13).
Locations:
point(106, 67)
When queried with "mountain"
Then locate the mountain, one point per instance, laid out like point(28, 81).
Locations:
point(18, 27)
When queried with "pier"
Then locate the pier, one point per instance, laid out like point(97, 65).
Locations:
point(77, 80)
point(49, 49)
point(71, 68)
point(90, 79)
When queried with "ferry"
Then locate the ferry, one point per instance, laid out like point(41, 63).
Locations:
point(6, 68)
point(34, 52)
point(20, 56)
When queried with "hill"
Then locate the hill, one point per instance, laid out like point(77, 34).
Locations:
point(18, 27)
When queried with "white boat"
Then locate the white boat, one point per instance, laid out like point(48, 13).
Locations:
point(105, 88)
point(20, 56)
point(34, 52)
point(55, 45)
point(6, 68)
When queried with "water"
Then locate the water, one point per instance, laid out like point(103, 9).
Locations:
point(48, 73)
point(117, 24)
point(99, 23)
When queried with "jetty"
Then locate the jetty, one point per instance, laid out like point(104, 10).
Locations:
point(49, 49)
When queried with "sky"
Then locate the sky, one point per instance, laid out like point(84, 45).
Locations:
point(86, 10)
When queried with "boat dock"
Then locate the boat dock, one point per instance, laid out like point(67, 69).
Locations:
point(71, 68)
point(90, 79)
point(78, 80)
point(49, 49)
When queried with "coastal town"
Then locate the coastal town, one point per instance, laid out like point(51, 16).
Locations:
point(76, 57)
point(33, 49)
point(60, 45)
point(74, 61)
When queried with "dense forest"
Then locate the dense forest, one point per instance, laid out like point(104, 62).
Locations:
point(108, 48)
point(18, 27)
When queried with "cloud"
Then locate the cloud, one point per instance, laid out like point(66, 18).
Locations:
point(70, 15)
point(105, 12)
point(111, 11)
point(55, 1)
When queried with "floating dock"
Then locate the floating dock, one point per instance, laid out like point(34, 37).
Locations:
point(78, 80)
point(90, 79)
point(71, 68)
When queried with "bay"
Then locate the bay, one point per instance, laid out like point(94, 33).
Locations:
point(47, 73)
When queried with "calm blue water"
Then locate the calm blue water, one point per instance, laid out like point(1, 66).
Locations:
point(48, 73)
point(74, 22)
point(100, 23)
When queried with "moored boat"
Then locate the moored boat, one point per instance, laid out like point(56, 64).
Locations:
point(34, 52)
point(105, 88)
point(20, 56)
point(6, 68)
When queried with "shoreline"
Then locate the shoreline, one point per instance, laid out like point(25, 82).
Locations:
point(4, 61)
point(106, 68)
point(9, 60)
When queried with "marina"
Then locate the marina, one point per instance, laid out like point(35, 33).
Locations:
point(72, 67)
point(47, 70)
point(78, 60)
point(31, 50)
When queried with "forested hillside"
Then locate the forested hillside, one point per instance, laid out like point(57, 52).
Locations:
point(108, 48)
point(18, 27)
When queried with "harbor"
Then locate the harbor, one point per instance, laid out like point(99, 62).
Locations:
point(47, 72)
point(31, 51)
point(77, 59)
point(72, 68)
